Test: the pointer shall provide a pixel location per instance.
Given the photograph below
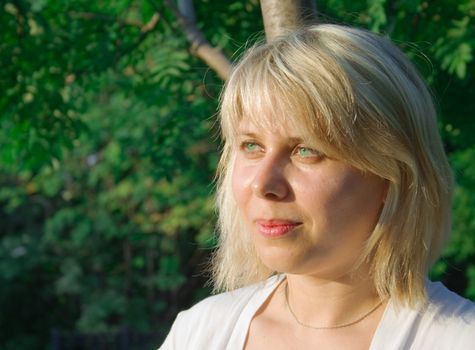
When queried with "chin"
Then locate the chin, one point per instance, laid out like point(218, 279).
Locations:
point(312, 263)
point(279, 259)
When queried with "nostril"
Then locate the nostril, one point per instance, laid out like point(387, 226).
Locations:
point(272, 196)
point(271, 187)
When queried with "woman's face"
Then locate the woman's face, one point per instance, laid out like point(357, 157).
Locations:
point(307, 214)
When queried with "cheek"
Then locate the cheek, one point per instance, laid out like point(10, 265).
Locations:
point(343, 199)
point(239, 183)
point(362, 197)
point(236, 186)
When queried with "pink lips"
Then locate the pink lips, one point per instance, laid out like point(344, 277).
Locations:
point(275, 228)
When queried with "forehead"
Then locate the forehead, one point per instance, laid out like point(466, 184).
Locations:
point(268, 107)
point(264, 126)
point(275, 121)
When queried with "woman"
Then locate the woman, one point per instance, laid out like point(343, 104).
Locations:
point(334, 200)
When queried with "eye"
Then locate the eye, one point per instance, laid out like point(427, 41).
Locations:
point(307, 153)
point(250, 147)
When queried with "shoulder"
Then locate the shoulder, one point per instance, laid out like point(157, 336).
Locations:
point(211, 322)
point(445, 321)
point(232, 301)
point(450, 313)
point(446, 305)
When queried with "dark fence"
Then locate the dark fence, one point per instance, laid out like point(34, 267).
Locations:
point(124, 339)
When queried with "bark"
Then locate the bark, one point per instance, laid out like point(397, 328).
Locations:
point(200, 46)
point(284, 15)
point(279, 16)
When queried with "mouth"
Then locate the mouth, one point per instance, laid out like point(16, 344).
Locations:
point(276, 228)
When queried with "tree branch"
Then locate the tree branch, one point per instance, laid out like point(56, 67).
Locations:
point(150, 25)
point(200, 46)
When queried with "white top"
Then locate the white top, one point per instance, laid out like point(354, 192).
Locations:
point(446, 321)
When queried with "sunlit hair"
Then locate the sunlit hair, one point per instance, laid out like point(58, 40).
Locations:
point(357, 96)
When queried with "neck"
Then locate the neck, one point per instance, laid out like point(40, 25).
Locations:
point(322, 303)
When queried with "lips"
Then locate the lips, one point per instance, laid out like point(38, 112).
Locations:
point(275, 227)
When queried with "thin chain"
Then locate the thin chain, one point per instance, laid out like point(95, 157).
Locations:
point(359, 319)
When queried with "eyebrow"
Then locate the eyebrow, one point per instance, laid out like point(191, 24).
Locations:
point(246, 133)
point(256, 136)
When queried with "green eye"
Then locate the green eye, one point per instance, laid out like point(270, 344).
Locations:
point(306, 152)
point(250, 147)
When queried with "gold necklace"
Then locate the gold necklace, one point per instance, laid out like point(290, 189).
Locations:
point(359, 319)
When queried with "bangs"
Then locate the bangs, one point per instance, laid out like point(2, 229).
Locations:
point(268, 92)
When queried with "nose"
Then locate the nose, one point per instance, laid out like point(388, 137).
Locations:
point(269, 180)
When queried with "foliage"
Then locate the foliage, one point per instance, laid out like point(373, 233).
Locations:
point(106, 164)
point(108, 150)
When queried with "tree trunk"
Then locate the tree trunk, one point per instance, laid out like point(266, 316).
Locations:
point(283, 15)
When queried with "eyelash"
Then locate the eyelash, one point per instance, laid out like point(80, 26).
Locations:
point(315, 154)
point(245, 144)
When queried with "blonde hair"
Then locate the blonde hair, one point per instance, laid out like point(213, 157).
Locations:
point(359, 97)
